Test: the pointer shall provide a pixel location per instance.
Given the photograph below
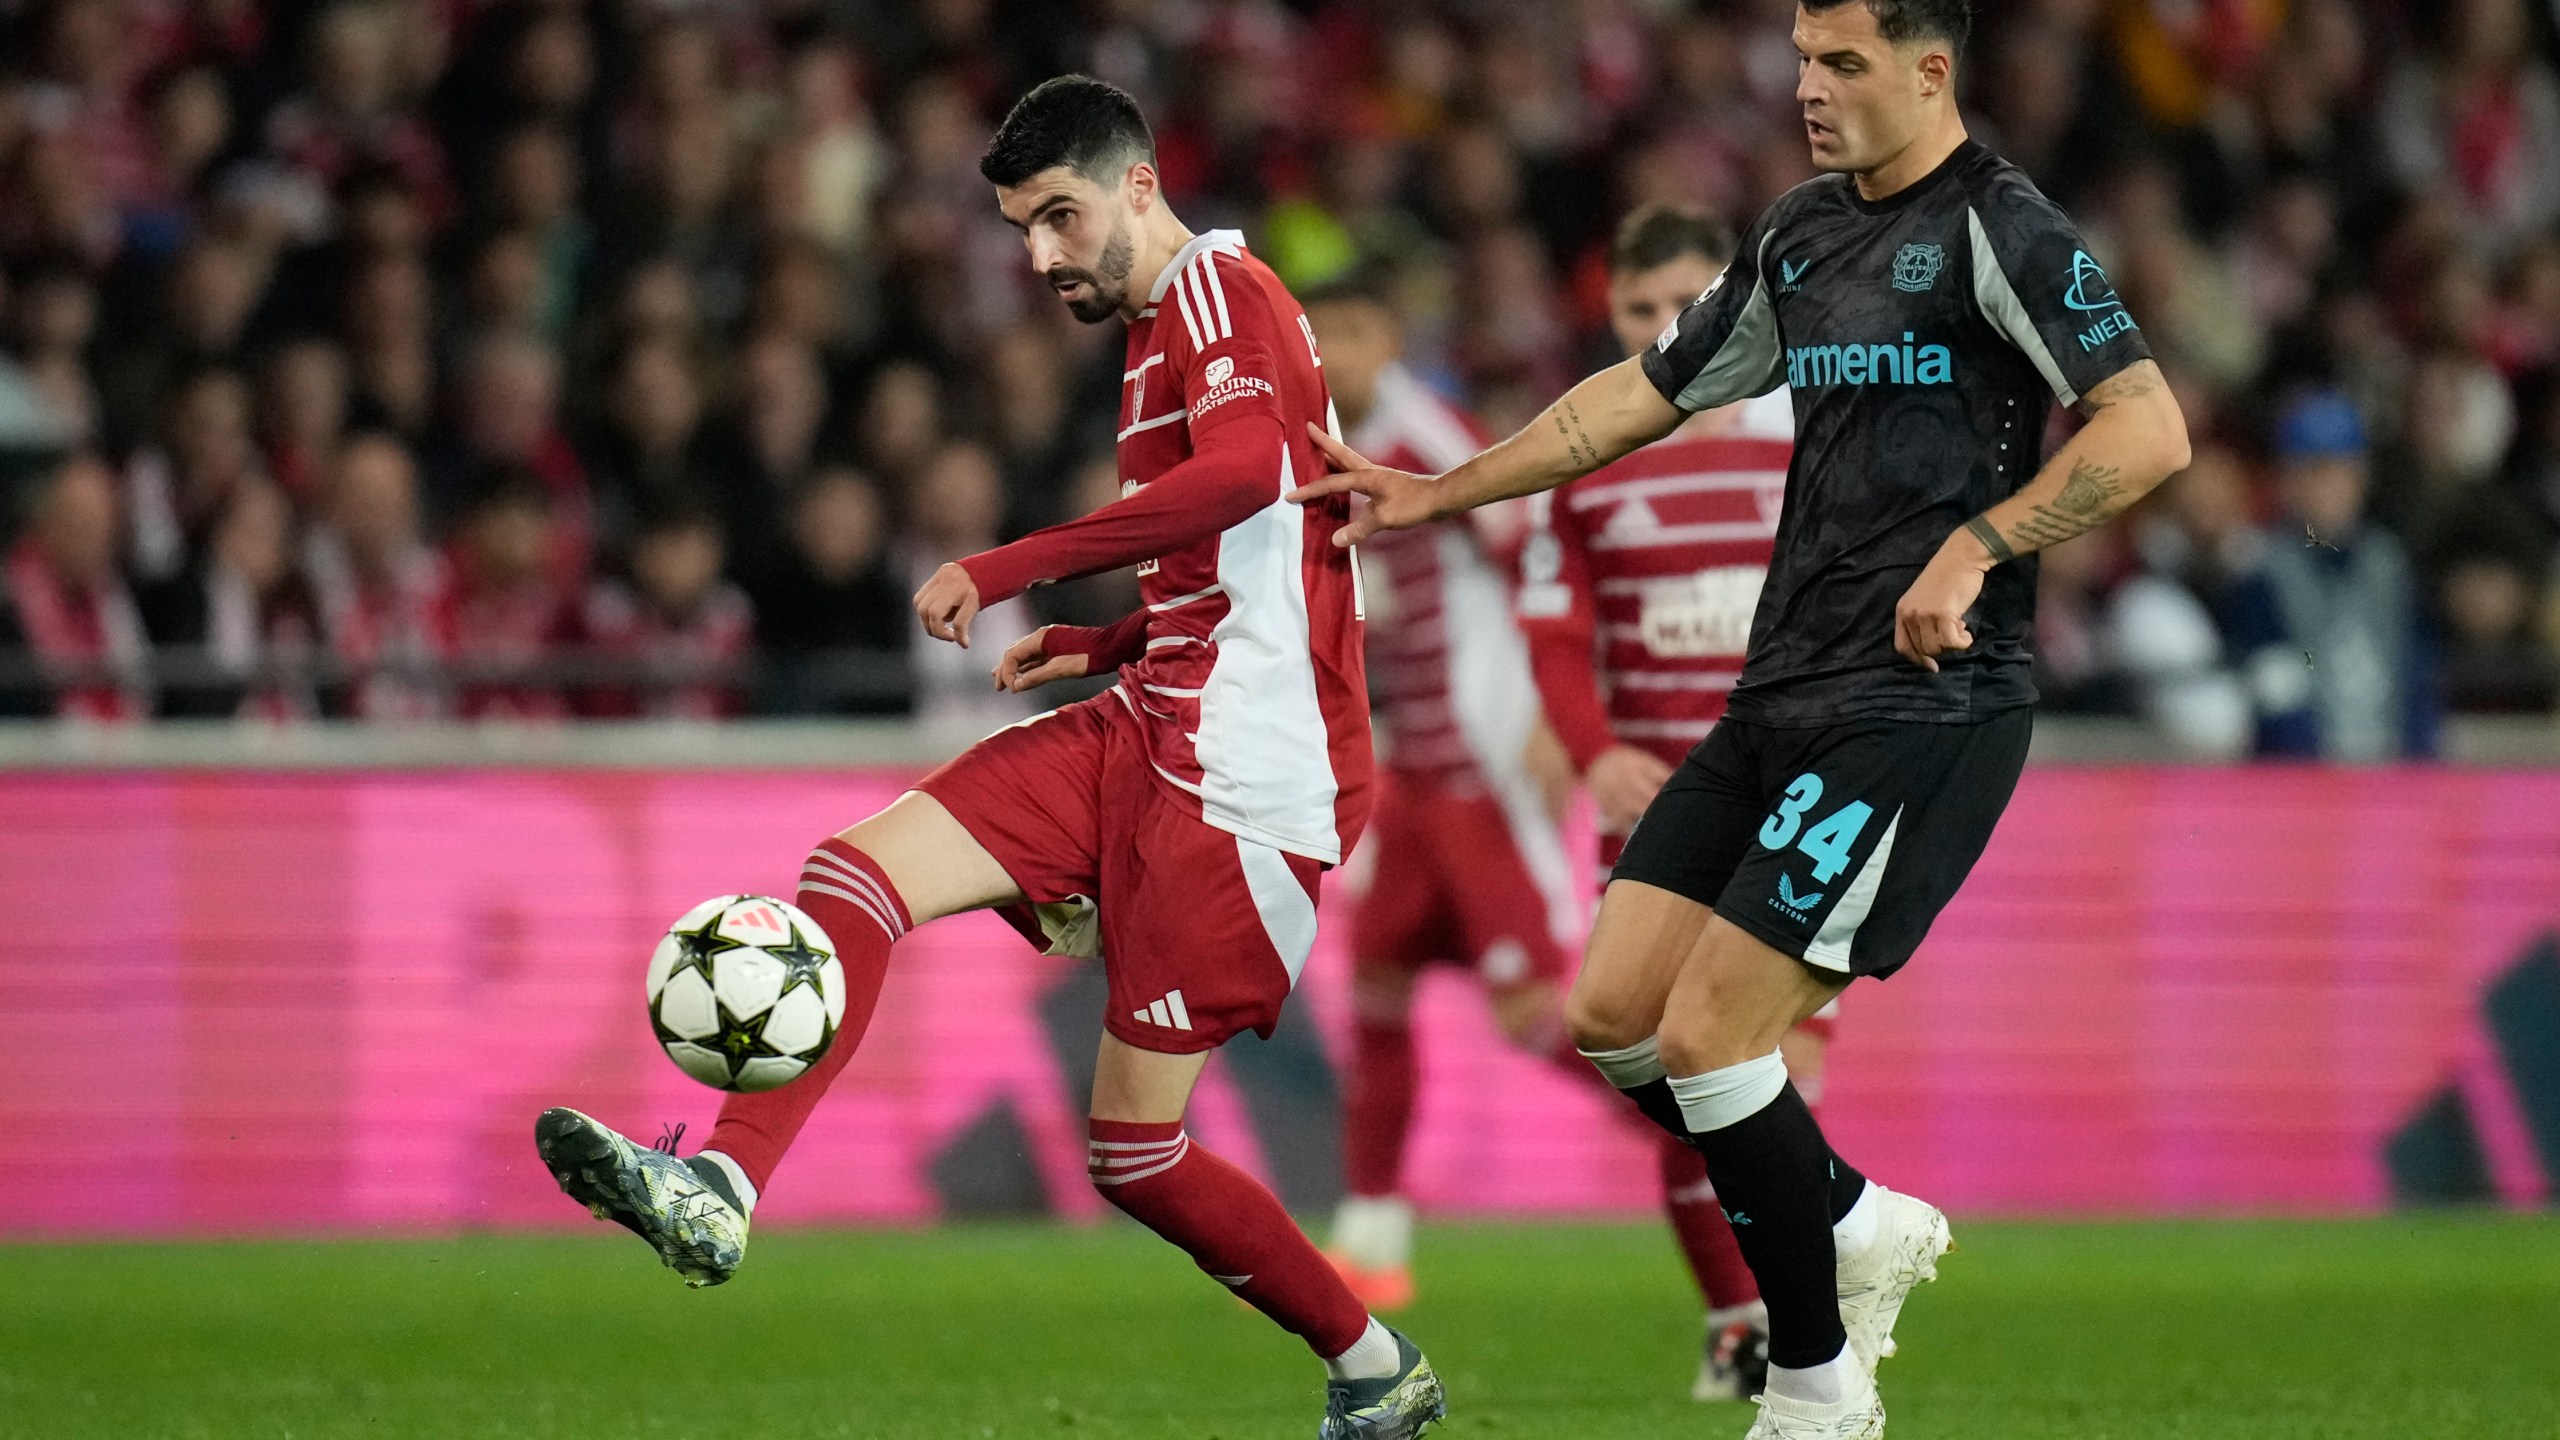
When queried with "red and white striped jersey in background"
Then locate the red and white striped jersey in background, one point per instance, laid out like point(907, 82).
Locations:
point(1251, 688)
point(1638, 583)
point(1449, 675)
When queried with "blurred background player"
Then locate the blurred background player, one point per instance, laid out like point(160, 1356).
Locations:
point(1637, 586)
point(1463, 863)
point(1176, 825)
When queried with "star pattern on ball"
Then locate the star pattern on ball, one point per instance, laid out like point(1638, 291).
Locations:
point(800, 962)
point(743, 1040)
point(702, 945)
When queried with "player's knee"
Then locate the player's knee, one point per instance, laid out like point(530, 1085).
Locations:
point(1603, 1022)
point(937, 867)
point(1707, 1037)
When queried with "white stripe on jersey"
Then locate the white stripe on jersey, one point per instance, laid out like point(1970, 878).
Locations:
point(1265, 761)
point(1288, 916)
point(1584, 497)
point(1672, 680)
point(1166, 418)
point(1208, 265)
point(1681, 535)
point(1178, 601)
point(1196, 305)
point(1190, 322)
point(1199, 295)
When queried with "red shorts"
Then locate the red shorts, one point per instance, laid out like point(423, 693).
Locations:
point(1202, 932)
point(1447, 882)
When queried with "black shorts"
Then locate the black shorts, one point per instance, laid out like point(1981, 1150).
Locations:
point(1838, 845)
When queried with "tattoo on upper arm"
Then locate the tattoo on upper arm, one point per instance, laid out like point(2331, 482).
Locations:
point(2137, 379)
point(1577, 442)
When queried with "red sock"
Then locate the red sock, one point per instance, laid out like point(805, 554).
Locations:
point(850, 897)
point(1377, 1110)
point(1706, 1237)
point(1230, 1226)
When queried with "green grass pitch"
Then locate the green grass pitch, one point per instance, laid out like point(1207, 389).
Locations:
point(2420, 1328)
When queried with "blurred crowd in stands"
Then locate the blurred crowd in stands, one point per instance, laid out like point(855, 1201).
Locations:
point(537, 358)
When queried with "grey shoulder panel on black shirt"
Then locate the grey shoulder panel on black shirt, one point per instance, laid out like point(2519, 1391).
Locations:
point(1725, 346)
point(2035, 283)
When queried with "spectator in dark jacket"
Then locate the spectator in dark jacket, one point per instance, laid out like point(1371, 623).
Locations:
point(2329, 628)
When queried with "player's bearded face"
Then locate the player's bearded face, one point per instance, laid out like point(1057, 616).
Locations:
point(1096, 294)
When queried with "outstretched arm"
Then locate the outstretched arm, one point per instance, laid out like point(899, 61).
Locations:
point(1595, 422)
point(1233, 473)
point(2136, 437)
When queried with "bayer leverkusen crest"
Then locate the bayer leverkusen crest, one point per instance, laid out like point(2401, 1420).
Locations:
point(1916, 266)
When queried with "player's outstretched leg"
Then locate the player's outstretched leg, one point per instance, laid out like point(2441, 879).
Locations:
point(695, 1212)
point(1378, 1385)
point(690, 1211)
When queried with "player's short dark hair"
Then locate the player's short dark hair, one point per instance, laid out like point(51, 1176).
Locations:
point(1087, 125)
point(1656, 235)
point(1900, 20)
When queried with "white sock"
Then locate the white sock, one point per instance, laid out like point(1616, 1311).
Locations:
point(1637, 1064)
point(1371, 1357)
point(1829, 1383)
point(1855, 1231)
point(1755, 1312)
point(1374, 1232)
point(1729, 1096)
point(737, 1174)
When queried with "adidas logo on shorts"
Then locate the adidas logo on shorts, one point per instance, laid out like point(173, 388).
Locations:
point(1167, 1011)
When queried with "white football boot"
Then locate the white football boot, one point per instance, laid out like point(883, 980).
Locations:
point(1910, 1236)
point(1860, 1417)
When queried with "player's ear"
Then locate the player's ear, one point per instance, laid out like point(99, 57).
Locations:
point(1937, 70)
point(1139, 187)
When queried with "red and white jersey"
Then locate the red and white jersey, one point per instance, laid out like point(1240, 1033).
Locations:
point(1652, 567)
point(1448, 669)
point(1251, 685)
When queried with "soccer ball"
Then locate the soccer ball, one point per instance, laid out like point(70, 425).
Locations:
point(745, 992)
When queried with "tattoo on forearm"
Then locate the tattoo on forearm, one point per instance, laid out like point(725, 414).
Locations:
point(2091, 495)
point(1989, 534)
point(1577, 444)
point(2089, 490)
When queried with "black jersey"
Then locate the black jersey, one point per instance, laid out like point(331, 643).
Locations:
point(1924, 335)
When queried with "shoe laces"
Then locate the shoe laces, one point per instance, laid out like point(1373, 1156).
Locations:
point(669, 1137)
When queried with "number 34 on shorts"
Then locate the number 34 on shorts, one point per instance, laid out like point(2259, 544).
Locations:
point(1838, 845)
point(1827, 843)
